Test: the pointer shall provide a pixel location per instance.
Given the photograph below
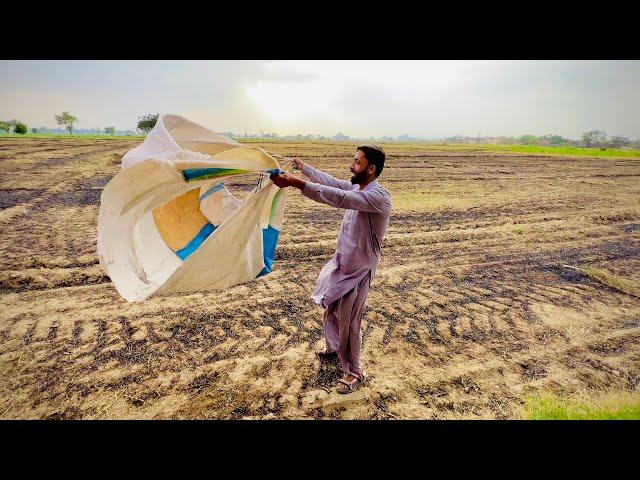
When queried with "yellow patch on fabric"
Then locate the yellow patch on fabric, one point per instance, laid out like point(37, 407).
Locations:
point(180, 219)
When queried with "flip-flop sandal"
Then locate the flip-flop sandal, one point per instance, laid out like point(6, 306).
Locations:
point(351, 384)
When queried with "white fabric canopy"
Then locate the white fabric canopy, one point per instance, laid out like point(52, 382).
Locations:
point(167, 222)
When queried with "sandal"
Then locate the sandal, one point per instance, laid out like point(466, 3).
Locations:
point(351, 385)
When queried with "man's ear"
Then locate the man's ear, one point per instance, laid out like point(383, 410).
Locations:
point(372, 171)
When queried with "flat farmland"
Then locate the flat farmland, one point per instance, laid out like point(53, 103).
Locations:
point(503, 275)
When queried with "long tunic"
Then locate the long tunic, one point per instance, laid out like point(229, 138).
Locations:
point(361, 232)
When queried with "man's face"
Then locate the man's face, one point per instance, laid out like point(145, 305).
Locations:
point(359, 168)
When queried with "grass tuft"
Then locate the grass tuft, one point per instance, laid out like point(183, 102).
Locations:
point(584, 406)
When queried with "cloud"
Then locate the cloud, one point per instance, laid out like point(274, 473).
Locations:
point(359, 98)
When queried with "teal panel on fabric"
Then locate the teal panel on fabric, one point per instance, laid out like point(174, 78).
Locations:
point(203, 173)
point(193, 245)
point(214, 189)
point(269, 242)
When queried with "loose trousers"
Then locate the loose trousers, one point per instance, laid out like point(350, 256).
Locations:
point(342, 327)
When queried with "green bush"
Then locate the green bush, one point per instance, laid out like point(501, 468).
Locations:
point(20, 128)
point(528, 139)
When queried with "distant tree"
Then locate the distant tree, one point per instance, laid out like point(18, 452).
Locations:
point(557, 140)
point(12, 125)
point(551, 140)
point(618, 141)
point(20, 128)
point(110, 130)
point(6, 126)
point(147, 122)
point(594, 138)
point(528, 139)
point(66, 120)
point(34, 130)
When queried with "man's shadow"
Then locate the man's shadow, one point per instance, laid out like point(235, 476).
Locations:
point(328, 373)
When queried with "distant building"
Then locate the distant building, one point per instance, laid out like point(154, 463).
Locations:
point(407, 138)
point(340, 137)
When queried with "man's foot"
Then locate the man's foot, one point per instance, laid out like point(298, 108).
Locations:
point(349, 383)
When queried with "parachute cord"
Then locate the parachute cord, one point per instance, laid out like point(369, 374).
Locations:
point(286, 165)
point(285, 160)
point(259, 182)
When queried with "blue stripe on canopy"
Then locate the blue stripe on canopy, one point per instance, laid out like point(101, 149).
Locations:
point(215, 188)
point(269, 242)
point(193, 245)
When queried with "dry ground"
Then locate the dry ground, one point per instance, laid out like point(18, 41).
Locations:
point(471, 311)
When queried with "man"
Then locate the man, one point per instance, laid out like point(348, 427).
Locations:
point(344, 282)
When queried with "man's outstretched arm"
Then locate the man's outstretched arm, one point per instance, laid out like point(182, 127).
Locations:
point(374, 201)
point(320, 177)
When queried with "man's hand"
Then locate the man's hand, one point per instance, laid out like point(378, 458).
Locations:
point(287, 180)
point(298, 163)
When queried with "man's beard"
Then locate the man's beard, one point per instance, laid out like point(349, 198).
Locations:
point(359, 178)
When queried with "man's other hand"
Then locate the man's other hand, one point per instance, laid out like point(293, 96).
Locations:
point(287, 180)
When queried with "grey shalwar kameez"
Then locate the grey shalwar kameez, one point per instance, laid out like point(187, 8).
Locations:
point(343, 283)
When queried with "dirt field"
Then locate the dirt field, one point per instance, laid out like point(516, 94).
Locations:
point(471, 311)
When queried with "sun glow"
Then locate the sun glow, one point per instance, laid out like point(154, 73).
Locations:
point(304, 92)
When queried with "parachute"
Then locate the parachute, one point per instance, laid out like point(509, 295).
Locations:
point(168, 223)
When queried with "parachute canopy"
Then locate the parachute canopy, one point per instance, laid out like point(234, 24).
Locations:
point(168, 223)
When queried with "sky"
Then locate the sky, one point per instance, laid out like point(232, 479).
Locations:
point(427, 99)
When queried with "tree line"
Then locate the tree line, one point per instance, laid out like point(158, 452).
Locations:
point(590, 139)
point(67, 121)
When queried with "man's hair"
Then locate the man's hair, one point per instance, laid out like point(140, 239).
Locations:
point(374, 155)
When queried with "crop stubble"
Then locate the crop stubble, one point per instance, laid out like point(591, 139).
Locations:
point(472, 307)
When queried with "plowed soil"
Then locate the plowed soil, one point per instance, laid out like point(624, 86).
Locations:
point(473, 307)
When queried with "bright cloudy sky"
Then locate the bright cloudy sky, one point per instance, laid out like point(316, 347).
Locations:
point(359, 98)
